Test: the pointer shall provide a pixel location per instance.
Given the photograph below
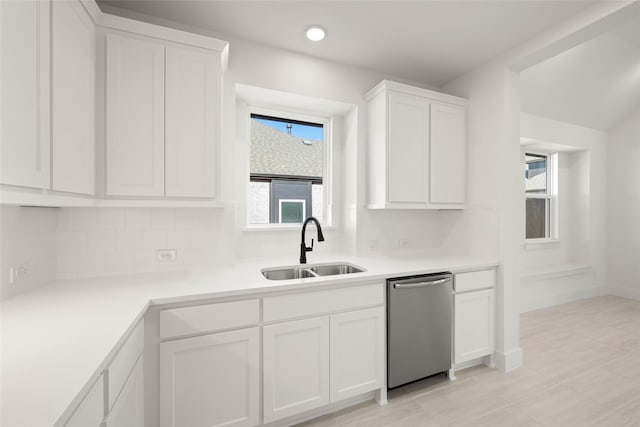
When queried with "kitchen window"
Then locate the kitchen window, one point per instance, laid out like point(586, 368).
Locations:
point(541, 196)
point(287, 164)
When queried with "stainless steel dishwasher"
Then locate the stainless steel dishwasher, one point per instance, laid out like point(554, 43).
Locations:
point(419, 322)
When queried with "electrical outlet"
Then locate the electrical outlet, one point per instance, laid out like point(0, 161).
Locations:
point(403, 243)
point(166, 255)
point(19, 272)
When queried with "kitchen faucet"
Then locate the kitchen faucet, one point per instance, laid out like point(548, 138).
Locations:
point(303, 245)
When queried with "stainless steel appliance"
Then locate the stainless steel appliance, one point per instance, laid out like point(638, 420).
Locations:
point(419, 322)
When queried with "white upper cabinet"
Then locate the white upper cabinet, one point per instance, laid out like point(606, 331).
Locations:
point(73, 59)
point(25, 88)
point(192, 87)
point(447, 172)
point(135, 117)
point(416, 148)
point(162, 119)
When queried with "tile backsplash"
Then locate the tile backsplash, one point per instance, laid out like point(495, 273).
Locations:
point(114, 241)
point(28, 243)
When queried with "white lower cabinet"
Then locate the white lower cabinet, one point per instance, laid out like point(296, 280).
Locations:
point(357, 352)
point(296, 367)
point(90, 412)
point(210, 380)
point(474, 325)
point(128, 409)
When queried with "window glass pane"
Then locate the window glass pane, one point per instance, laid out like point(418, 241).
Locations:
point(537, 218)
point(535, 173)
point(291, 211)
point(285, 153)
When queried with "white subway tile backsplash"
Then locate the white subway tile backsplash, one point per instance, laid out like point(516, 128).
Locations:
point(154, 239)
point(81, 218)
point(145, 262)
point(163, 218)
point(70, 243)
point(128, 240)
point(111, 218)
point(101, 241)
point(138, 218)
point(187, 218)
point(180, 239)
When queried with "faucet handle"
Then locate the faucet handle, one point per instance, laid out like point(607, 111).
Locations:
point(311, 248)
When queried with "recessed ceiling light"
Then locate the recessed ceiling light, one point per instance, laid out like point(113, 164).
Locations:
point(315, 32)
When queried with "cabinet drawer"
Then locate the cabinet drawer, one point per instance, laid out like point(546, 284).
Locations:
point(177, 322)
point(319, 302)
point(124, 362)
point(473, 280)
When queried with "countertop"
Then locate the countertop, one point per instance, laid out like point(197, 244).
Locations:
point(55, 339)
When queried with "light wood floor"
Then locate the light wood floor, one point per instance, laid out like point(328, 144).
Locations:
point(582, 368)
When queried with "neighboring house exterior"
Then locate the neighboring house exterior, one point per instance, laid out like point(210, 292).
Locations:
point(285, 177)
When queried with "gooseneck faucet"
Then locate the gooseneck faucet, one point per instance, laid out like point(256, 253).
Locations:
point(303, 245)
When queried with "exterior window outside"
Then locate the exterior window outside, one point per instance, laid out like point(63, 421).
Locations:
point(539, 197)
point(286, 170)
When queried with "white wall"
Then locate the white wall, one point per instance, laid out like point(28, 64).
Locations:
point(623, 184)
point(494, 219)
point(27, 238)
point(574, 267)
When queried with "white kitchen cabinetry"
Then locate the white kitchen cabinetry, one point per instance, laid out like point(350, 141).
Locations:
point(416, 149)
point(162, 118)
point(296, 367)
point(90, 412)
point(336, 354)
point(128, 410)
point(135, 117)
point(210, 380)
point(73, 70)
point(357, 352)
point(474, 320)
point(25, 88)
point(191, 113)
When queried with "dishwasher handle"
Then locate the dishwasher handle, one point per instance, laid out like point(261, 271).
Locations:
point(420, 284)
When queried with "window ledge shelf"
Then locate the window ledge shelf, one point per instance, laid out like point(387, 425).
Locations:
point(534, 245)
point(282, 227)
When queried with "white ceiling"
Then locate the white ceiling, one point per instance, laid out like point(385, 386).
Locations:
point(595, 84)
point(430, 42)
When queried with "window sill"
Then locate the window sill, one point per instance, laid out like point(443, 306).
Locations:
point(281, 227)
point(537, 244)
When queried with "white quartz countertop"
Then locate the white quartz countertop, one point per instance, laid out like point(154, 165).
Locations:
point(55, 339)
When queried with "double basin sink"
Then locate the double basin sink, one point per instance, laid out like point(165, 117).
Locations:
point(316, 270)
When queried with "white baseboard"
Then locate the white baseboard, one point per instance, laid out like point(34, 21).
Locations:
point(509, 360)
point(624, 292)
point(562, 298)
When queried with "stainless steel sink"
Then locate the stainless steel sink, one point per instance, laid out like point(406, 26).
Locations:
point(304, 271)
point(288, 273)
point(333, 269)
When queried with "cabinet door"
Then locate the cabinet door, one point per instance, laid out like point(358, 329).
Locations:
point(73, 98)
point(357, 352)
point(25, 88)
point(474, 325)
point(408, 133)
point(296, 367)
point(135, 117)
point(192, 89)
point(128, 410)
point(447, 165)
point(90, 413)
point(210, 380)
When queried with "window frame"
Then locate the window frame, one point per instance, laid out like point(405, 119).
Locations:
point(327, 167)
point(551, 194)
